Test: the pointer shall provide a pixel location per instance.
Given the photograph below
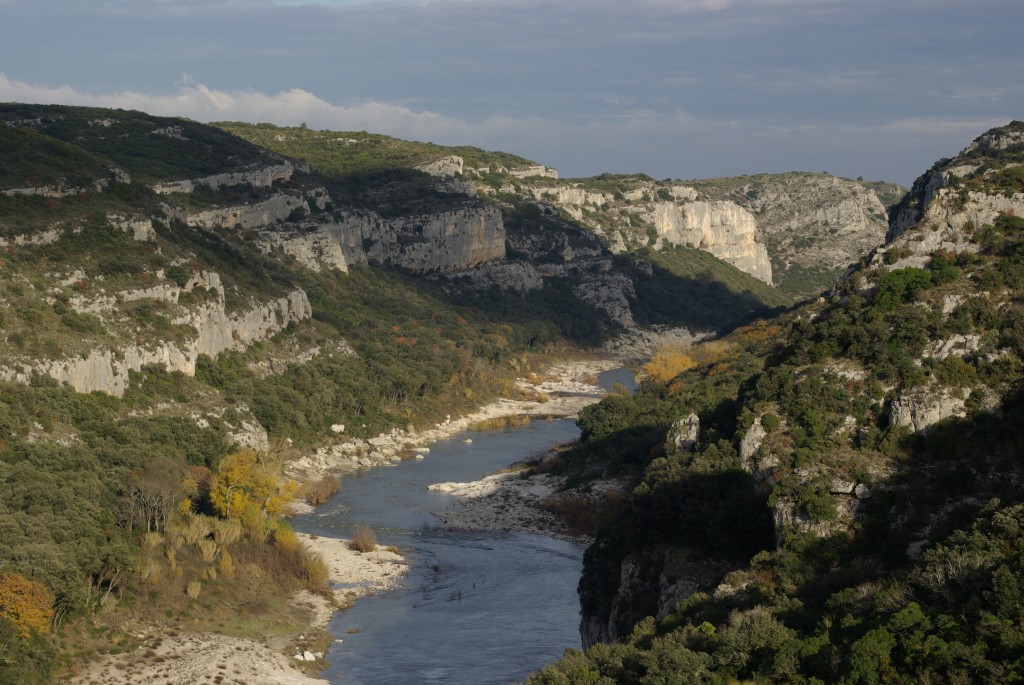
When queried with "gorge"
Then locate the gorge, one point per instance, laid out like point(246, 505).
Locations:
point(193, 316)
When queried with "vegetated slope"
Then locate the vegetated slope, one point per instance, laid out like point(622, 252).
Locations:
point(832, 495)
point(181, 309)
point(342, 153)
point(814, 224)
point(542, 246)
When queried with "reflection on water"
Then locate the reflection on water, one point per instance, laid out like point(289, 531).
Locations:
point(476, 608)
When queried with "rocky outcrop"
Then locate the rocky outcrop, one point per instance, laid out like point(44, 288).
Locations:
point(534, 171)
point(519, 277)
point(947, 224)
point(959, 345)
point(277, 208)
point(919, 409)
point(292, 353)
point(573, 198)
point(106, 370)
point(313, 245)
point(165, 292)
point(565, 243)
point(140, 227)
point(454, 239)
point(47, 237)
point(256, 175)
point(751, 443)
point(911, 210)
point(597, 282)
point(683, 435)
point(724, 229)
point(444, 167)
point(953, 192)
point(649, 584)
point(63, 188)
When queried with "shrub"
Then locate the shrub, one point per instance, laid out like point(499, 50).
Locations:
point(322, 490)
point(955, 372)
point(901, 285)
point(197, 528)
point(193, 589)
point(207, 549)
point(668, 363)
point(226, 565)
point(227, 531)
point(771, 422)
point(317, 573)
point(27, 604)
point(285, 538)
point(363, 539)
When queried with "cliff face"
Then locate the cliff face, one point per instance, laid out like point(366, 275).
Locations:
point(257, 175)
point(642, 213)
point(448, 240)
point(216, 330)
point(296, 222)
point(722, 228)
point(813, 225)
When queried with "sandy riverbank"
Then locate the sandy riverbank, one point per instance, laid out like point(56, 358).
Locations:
point(562, 391)
point(167, 657)
point(514, 502)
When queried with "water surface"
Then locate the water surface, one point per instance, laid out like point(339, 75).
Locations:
point(476, 608)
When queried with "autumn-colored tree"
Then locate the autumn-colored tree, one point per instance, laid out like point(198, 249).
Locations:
point(668, 363)
point(27, 604)
point(246, 483)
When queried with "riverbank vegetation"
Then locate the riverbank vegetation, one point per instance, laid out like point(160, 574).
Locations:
point(815, 532)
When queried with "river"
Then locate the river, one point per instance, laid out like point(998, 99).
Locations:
point(475, 608)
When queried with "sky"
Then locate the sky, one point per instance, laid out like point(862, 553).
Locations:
point(673, 88)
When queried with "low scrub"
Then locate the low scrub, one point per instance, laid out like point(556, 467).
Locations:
point(321, 490)
point(363, 539)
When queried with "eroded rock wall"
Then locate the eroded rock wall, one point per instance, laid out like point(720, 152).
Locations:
point(106, 370)
point(724, 229)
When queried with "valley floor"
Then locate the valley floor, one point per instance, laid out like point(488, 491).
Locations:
point(169, 656)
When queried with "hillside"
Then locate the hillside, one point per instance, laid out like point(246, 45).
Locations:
point(799, 231)
point(813, 225)
point(832, 495)
point(184, 313)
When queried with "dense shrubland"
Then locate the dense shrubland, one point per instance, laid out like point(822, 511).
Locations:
point(921, 583)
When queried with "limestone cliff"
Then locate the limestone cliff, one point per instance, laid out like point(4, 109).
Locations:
point(631, 212)
point(813, 225)
point(295, 222)
point(65, 189)
point(257, 175)
point(971, 188)
point(215, 331)
point(277, 208)
point(454, 239)
point(311, 244)
point(724, 229)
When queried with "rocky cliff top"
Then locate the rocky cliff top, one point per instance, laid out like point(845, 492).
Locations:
point(989, 166)
point(814, 225)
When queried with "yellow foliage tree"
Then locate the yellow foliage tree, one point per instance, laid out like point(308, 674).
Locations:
point(668, 363)
point(246, 483)
point(27, 604)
